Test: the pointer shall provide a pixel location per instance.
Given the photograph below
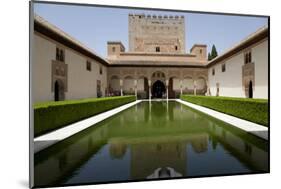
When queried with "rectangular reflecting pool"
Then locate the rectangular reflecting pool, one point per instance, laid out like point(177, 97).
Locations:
point(151, 140)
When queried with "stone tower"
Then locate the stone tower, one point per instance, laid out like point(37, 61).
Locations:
point(164, 34)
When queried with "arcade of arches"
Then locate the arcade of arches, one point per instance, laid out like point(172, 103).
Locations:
point(157, 83)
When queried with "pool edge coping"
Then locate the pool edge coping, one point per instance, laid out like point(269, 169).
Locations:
point(250, 127)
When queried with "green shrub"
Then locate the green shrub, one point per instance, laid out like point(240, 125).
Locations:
point(49, 116)
point(254, 110)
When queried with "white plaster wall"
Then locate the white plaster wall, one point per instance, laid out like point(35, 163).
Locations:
point(260, 59)
point(43, 54)
point(81, 83)
point(230, 81)
point(187, 83)
point(79, 76)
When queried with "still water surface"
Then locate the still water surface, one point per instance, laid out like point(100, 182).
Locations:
point(150, 141)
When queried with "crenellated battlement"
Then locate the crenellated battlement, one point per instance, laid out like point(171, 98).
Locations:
point(159, 17)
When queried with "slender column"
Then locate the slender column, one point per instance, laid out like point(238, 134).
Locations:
point(136, 88)
point(194, 87)
point(167, 111)
point(181, 86)
point(121, 87)
point(167, 90)
point(149, 85)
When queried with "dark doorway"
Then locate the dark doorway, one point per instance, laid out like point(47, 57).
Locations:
point(158, 89)
point(57, 88)
point(250, 89)
point(59, 91)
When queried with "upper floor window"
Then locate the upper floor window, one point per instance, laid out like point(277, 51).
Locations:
point(59, 54)
point(176, 48)
point(113, 49)
point(157, 49)
point(88, 65)
point(200, 51)
point(213, 71)
point(248, 57)
point(223, 67)
point(101, 70)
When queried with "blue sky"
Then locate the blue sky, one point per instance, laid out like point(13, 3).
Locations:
point(94, 26)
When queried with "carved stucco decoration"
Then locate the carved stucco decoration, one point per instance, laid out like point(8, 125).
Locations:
point(128, 71)
point(59, 73)
point(174, 73)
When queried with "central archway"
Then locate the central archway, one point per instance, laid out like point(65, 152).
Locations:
point(158, 89)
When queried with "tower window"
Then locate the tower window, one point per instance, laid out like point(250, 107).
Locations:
point(88, 65)
point(176, 48)
point(248, 57)
point(200, 51)
point(101, 70)
point(59, 54)
point(157, 49)
point(223, 67)
point(213, 71)
point(113, 49)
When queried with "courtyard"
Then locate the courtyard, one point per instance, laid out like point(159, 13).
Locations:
point(152, 106)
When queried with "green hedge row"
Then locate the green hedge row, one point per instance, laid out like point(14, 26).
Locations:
point(254, 110)
point(49, 116)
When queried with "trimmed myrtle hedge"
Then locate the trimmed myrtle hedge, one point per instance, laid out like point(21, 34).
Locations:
point(254, 110)
point(49, 116)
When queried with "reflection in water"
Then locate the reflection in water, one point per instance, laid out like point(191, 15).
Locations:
point(166, 172)
point(148, 141)
point(117, 150)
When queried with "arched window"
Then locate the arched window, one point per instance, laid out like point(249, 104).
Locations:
point(61, 55)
